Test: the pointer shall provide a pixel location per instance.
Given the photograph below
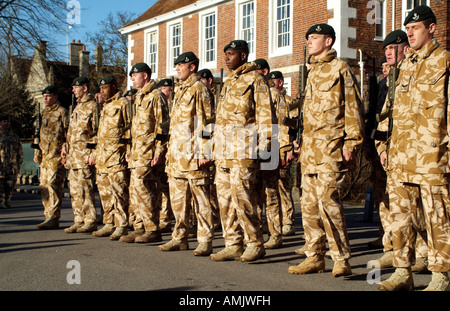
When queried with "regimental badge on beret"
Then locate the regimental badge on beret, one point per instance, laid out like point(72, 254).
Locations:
point(164, 82)
point(205, 73)
point(420, 13)
point(140, 67)
point(237, 44)
point(261, 63)
point(322, 29)
point(80, 81)
point(395, 37)
point(185, 58)
point(107, 80)
point(276, 75)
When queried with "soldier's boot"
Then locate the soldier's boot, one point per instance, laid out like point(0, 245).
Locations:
point(375, 244)
point(166, 228)
point(87, 228)
point(288, 230)
point(253, 253)
point(107, 230)
point(115, 236)
point(439, 282)
point(49, 223)
point(228, 253)
point(130, 238)
point(149, 237)
point(341, 268)
point(8, 203)
point(203, 249)
point(384, 261)
point(309, 265)
point(73, 228)
point(175, 245)
point(274, 242)
point(421, 265)
point(401, 279)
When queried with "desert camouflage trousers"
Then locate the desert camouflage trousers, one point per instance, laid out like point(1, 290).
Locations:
point(323, 215)
point(238, 207)
point(267, 194)
point(51, 185)
point(286, 200)
point(182, 190)
point(7, 184)
point(165, 214)
point(82, 193)
point(113, 191)
point(420, 212)
point(144, 198)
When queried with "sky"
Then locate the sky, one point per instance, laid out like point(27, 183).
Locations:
point(94, 11)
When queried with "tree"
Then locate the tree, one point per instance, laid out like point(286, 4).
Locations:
point(115, 44)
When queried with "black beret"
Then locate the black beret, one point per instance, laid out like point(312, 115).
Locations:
point(130, 92)
point(51, 89)
point(261, 63)
point(164, 82)
point(420, 13)
point(80, 81)
point(140, 67)
point(237, 45)
point(107, 80)
point(383, 60)
point(205, 73)
point(395, 37)
point(276, 75)
point(322, 29)
point(186, 57)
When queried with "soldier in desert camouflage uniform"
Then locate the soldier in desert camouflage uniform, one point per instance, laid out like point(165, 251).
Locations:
point(282, 102)
point(52, 135)
point(333, 127)
point(417, 155)
point(242, 133)
point(82, 129)
point(109, 155)
point(187, 162)
point(11, 158)
point(147, 153)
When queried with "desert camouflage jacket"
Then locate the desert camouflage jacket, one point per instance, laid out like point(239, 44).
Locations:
point(419, 144)
point(82, 130)
point(151, 110)
point(54, 123)
point(332, 115)
point(191, 108)
point(244, 119)
point(11, 153)
point(111, 149)
point(282, 110)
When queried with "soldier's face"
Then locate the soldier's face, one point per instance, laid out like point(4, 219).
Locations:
point(108, 90)
point(386, 68)
point(139, 79)
point(50, 99)
point(419, 35)
point(318, 44)
point(184, 70)
point(4, 125)
point(208, 82)
point(389, 51)
point(79, 90)
point(166, 90)
point(234, 58)
point(278, 83)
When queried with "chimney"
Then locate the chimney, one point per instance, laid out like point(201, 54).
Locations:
point(84, 62)
point(74, 49)
point(98, 58)
point(41, 49)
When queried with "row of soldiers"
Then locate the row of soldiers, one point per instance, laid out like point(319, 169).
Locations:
point(245, 159)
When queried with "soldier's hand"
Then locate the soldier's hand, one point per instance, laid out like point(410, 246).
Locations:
point(347, 155)
point(289, 157)
point(155, 161)
point(35, 159)
point(383, 157)
point(127, 156)
point(91, 161)
point(296, 147)
point(203, 162)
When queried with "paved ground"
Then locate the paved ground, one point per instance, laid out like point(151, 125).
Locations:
point(38, 260)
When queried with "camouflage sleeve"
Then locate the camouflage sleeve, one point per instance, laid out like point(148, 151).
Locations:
point(354, 125)
point(65, 122)
point(203, 113)
point(382, 127)
point(158, 111)
point(264, 115)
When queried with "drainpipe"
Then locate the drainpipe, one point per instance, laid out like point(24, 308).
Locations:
point(361, 70)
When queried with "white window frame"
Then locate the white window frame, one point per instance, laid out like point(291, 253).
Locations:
point(287, 85)
point(202, 42)
point(239, 24)
point(406, 10)
point(274, 50)
point(170, 55)
point(147, 59)
point(382, 21)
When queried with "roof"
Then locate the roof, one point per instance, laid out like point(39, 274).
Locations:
point(159, 8)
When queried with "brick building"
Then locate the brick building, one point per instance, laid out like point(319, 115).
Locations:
point(275, 30)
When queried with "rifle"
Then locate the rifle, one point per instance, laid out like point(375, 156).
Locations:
point(385, 136)
point(218, 91)
point(37, 129)
point(95, 128)
point(296, 124)
point(131, 112)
